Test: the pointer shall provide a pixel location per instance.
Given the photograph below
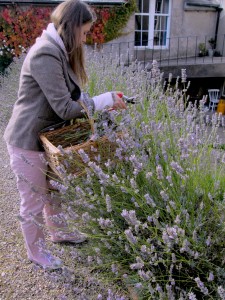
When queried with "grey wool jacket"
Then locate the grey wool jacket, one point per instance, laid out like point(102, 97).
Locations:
point(47, 94)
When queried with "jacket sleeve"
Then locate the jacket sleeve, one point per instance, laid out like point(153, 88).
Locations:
point(46, 67)
point(101, 101)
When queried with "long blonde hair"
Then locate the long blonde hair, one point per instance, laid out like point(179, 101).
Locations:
point(68, 18)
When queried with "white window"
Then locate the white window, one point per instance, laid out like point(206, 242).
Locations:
point(152, 23)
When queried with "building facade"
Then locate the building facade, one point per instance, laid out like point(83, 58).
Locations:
point(178, 34)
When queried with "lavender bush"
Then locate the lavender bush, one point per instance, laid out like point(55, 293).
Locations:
point(155, 212)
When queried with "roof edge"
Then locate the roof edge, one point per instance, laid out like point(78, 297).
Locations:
point(53, 2)
point(201, 5)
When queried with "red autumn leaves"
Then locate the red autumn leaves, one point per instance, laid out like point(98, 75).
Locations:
point(20, 27)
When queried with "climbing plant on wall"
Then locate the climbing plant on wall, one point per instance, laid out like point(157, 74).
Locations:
point(110, 22)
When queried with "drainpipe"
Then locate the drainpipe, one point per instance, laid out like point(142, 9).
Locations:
point(219, 9)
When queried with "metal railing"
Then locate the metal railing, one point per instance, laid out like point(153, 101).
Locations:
point(180, 51)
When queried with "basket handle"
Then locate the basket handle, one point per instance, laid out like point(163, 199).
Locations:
point(90, 119)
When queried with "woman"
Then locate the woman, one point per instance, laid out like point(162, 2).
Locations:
point(50, 85)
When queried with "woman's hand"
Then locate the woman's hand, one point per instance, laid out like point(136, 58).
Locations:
point(118, 101)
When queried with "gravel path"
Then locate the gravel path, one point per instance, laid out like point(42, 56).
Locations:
point(20, 279)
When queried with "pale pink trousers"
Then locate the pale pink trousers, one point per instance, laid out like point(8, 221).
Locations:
point(30, 171)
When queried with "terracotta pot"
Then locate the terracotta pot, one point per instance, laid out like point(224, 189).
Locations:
point(221, 107)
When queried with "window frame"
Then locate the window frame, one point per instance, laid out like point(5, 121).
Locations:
point(151, 29)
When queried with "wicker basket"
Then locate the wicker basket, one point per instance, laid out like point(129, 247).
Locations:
point(68, 156)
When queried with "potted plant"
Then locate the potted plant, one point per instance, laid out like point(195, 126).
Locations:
point(202, 50)
point(212, 44)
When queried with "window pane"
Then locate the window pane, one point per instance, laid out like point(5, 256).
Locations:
point(146, 6)
point(143, 6)
point(163, 23)
point(162, 6)
point(160, 38)
point(145, 22)
point(137, 38)
point(140, 5)
point(141, 38)
point(137, 22)
point(160, 23)
point(144, 38)
point(157, 39)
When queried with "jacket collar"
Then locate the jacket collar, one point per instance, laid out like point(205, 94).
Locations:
point(53, 33)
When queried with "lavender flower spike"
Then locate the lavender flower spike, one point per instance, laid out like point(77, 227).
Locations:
point(130, 237)
point(130, 217)
point(108, 203)
point(201, 286)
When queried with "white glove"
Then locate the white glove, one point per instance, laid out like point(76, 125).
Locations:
point(103, 100)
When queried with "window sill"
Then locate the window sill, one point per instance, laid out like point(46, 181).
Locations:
point(151, 48)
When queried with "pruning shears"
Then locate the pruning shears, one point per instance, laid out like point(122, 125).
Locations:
point(127, 99)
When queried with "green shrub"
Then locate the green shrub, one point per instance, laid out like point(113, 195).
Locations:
point(5, 61)
point(155, 213)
